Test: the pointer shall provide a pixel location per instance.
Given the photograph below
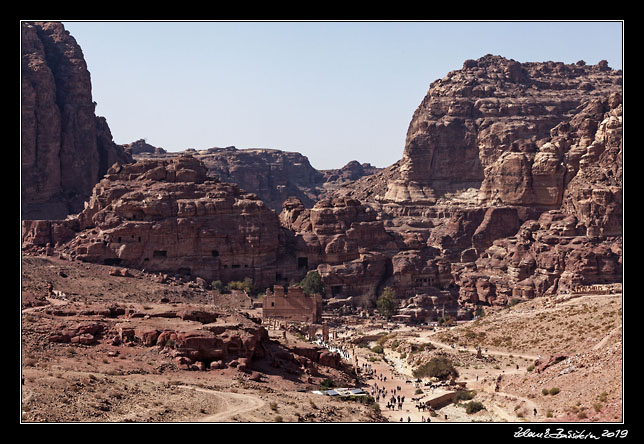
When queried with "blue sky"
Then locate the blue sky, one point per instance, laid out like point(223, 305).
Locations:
point(333, 91)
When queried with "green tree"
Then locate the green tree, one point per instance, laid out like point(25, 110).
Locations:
point(312, 283)
point(386, 303)
point(245, 285)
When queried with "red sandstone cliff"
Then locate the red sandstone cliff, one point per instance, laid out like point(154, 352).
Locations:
point(168, 216)
point(274, 175)
point(65, 147)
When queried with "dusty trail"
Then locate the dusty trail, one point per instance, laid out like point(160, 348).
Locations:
point(232, 403)
point(488, 352)
point(500, 405)
point(52, 301)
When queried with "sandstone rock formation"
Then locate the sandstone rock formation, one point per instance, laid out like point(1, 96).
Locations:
point(492, 121)
point(141, 146)
point(168, 216)
point(493, 151)
point(65, 147)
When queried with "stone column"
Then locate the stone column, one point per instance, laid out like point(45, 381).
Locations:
point(312, 331)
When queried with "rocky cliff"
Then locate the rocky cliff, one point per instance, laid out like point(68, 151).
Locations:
point(168, 216)
point(510, 184)
point(489, 126)
point(65, 147)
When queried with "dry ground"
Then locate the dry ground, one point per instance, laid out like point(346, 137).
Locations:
point(132, 383)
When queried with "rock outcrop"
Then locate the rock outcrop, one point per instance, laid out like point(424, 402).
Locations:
point(489, 126)
point(65, 147)
point(168, 216)
point(141, 146)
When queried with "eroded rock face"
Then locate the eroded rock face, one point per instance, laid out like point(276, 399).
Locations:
point(547, 256)
point(489, 126)
point(342, 239)
point(495, 151)
point(65, 147)
point(168, 216)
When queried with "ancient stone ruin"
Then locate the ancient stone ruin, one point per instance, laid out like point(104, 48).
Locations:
point(292, 304)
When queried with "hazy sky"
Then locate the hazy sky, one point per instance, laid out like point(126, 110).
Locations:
point(333, 91)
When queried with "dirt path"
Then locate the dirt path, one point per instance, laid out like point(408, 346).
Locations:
point(52, 301)
point(500, 406)
point(603, 342)
point(232, 403)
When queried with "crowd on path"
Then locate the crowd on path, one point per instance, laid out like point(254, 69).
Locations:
point(385, 387)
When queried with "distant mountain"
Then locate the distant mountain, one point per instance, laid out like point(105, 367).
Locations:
point(273, 175)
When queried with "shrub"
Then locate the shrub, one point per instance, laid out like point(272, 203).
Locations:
point(514, 301)
point(377, 349)
point(245, 285)
point(218, 286)
point(438, 367)
point(464, 395)
point(554, 391)
point(327, 384)
point(446, 321)
point(473, 407)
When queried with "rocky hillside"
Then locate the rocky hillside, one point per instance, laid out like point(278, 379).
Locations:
point(65, 147)
point(503, 157)
point(166, 215)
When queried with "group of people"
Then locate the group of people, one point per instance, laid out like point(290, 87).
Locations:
point(422, 406)
point(396, 401)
